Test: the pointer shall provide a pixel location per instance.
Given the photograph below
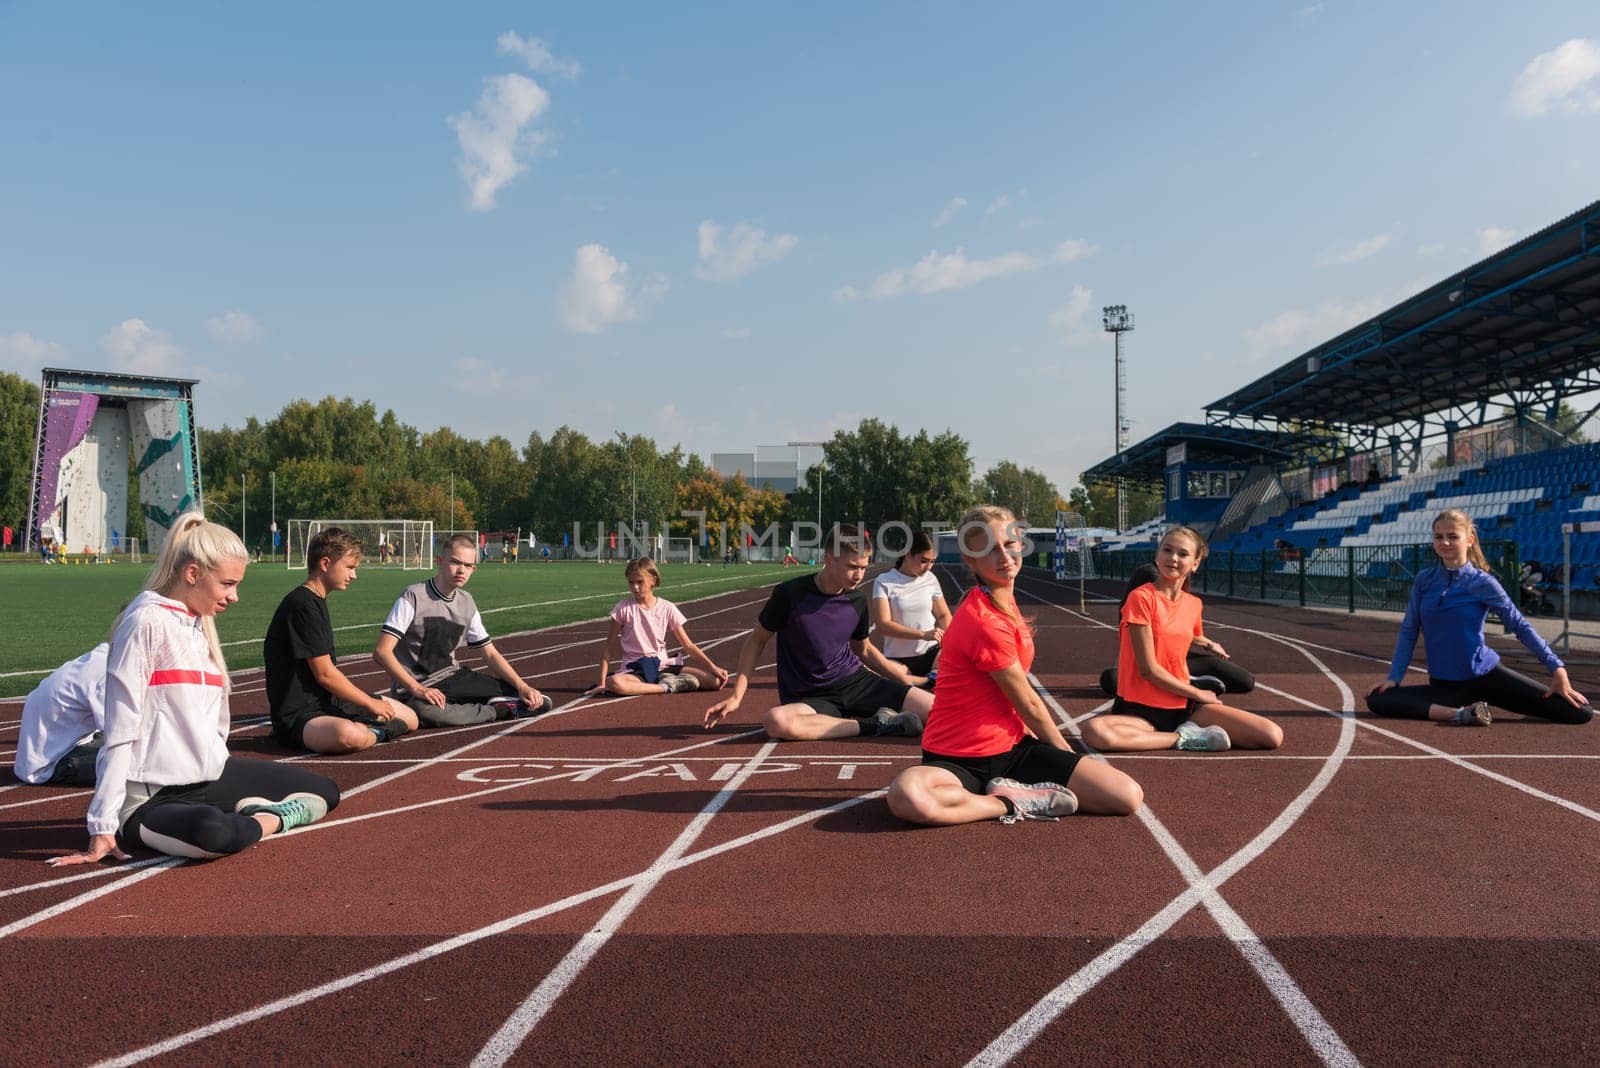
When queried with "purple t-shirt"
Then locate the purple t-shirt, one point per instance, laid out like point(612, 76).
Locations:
point(814, 633)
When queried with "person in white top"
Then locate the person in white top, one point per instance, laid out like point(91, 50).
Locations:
point(637, 643)
point(61, 723)
point(164, 779)
point(909, 610)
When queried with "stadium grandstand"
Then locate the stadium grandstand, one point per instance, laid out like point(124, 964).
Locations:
point(1336, 461)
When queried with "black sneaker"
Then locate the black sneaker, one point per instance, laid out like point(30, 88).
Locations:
point(1208, 682)
point(892, 723)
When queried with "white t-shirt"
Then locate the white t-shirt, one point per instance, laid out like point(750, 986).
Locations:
point(67, 707)
point(910, 605)
point(645, 630)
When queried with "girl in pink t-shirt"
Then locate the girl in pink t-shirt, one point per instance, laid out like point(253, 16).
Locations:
point(640, 626)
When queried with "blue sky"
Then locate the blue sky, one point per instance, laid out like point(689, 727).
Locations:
point(732, 225)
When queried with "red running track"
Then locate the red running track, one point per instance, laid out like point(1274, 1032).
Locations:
point(611, 884)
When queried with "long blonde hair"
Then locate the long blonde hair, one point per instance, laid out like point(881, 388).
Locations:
point(978, 519)
point(1461, 519)
point(195, 540)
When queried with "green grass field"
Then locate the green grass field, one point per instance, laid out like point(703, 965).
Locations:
point(51, 614)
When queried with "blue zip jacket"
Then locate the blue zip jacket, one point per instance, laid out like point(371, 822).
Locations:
point(1450, 607)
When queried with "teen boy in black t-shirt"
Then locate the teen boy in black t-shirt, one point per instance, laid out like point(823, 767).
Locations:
point(314, 706)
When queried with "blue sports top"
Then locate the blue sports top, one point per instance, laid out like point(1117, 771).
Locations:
point(1450, 607)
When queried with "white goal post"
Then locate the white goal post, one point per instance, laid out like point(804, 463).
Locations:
point(679, 551)
point(403, 543)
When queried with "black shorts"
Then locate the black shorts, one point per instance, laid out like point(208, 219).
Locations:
point(920, 664)
point(651, 668)
point(860, 694)
point(1162, 719)
point(1030, 761)
point(291, 730)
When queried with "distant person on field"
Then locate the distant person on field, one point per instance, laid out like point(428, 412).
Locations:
point(637, 643)
point(909, 611)
point(164, 778)
point(1157, 707)
point(428, 623)
point(62, 720)
point(992, 750)
point(1208, 663)
point(1449, 604)
point(832, 682)
point(313, 704)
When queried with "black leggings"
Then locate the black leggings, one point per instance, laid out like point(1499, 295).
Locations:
point(1501, 687)
point(466, 695)
point(198, 820)
point(1235, 678)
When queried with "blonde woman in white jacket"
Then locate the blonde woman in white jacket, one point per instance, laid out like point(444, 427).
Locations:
point(164, 779)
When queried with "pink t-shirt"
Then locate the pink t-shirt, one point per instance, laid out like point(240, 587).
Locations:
point(645, 630)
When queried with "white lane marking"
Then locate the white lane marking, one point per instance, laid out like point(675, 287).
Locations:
point(84, 898)
point(1203, 889)
point(298, 1000)
point(1462, 762)
point(99, 872)
point(520, 1024)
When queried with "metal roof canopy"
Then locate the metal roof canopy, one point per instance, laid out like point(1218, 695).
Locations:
point(1523, 323)
point(1207, 443)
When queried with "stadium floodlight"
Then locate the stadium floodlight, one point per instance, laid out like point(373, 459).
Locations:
point(820, 463)
point(1117, 321)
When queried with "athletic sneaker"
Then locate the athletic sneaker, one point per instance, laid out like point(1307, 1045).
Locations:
point(1197, 739)
point(1208, 682)
point(683, 682)
point(891, 722)
point(1476, 714)
point(1041, 801)
point(517, 708)
point(391, 728)
point(296, 810)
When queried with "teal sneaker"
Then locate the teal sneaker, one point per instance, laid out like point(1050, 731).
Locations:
point(296, 810)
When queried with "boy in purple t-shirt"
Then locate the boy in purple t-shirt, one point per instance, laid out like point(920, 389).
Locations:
point(640, 626)
point(832, 682)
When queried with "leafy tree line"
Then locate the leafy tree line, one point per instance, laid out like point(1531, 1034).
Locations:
point(343, 459)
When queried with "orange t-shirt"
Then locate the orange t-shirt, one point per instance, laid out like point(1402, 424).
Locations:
point(971, 715)
point(1173, 625)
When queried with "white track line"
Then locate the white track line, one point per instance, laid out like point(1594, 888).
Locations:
point(298, 1000)
point(97, 873)
point(84, 898)
point(1321, 1036)
point(520, 1024)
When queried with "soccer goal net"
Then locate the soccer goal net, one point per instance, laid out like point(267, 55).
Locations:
point(1073, 558)
point(679, 551)
point(404, 543)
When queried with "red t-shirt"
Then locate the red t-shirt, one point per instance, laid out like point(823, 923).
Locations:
point(1173, 626)
point(971, 716)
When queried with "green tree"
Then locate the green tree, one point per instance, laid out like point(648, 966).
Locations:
point(1030, 495)
point(19, 424)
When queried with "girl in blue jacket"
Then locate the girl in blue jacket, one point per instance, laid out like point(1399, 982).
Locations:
point(1465, 676)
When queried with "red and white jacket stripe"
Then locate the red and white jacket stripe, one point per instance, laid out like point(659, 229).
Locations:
point(166, 707)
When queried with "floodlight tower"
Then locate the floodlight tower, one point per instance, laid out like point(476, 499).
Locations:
point(1117, 321)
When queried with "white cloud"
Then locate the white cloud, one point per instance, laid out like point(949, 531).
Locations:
point(1355, 250)
point(938, 271)
point(495, 147)
point(746, 248)
point(996, 204)
point(476, 376)
point(1431, 249)
point(26, 354)
point(234, 328)
point(1492, 239)
point(674, 425)
point(139, 349)
point(1073, 251)
point(736, 333)
point(1565, 79)
point(597, 293)
point(949, 211)
point(536, 54)
point(1073, 319)
point(1299, 328)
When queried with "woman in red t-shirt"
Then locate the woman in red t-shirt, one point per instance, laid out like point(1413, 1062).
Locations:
point(1157, 707)
point(990, 749)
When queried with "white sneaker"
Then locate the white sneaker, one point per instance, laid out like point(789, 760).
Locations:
point(1041, 801)
point(1194, 738)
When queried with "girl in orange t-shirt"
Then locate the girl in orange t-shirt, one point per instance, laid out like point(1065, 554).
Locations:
point(1156, 707)
point(991, 749)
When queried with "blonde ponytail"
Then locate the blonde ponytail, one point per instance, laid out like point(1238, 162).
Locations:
point(972, 534)
point(195, 540)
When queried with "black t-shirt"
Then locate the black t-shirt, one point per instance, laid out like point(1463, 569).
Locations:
point(814, 632)
point(300, 629)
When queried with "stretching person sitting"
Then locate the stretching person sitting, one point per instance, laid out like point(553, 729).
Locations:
point(62, 723)
point(832, 682)
point(165, 780)
point(428, 623)
point(1210, 666)
point(313, 705)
